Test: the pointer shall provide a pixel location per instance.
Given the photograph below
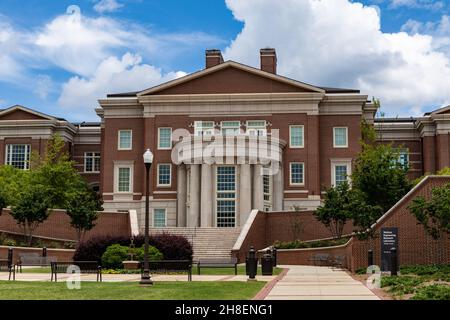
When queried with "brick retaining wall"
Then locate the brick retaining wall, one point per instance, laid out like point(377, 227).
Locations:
point(59, 254)
point(57, 226)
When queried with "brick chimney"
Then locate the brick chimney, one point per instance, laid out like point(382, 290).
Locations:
point(268, 60)
point(213, 58)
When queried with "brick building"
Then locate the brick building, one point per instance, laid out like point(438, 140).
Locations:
point(226, 139)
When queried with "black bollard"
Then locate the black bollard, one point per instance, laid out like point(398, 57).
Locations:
point(252, 264)
point(394, 265)
point(10, 257)
point(370, 258)
point(274, 256)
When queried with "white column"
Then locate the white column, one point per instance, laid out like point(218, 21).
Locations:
point(258, 192)
point(278, 190)
point(193, 217)
point(181, 195)
point(206, 197)
point(245, 191)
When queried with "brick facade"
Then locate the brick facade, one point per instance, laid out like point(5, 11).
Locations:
point(228, 91)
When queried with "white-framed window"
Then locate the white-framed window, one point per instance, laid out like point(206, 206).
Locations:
point(164, 174)
point(92, 162)
point(297, 173)
point(204, 128)
point(226, 196)
point(267, 188)
point(230, 128)
point(296, 136)
point(18, 156)
point(164, 138)
point(340, 137)
point(340, 172)
point(125, 139)
point(124, 179)
point(159, 218)
point(256, 127)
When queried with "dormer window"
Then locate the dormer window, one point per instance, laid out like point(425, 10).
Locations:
point(256, 127)
point(204, 128)
point(230, 128)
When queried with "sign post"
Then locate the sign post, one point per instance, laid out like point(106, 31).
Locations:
point(389, 240)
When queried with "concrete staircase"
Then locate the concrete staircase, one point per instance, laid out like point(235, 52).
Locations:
point(208, 243)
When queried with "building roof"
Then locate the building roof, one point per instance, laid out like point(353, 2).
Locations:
point(233, 64)
point(390, 120)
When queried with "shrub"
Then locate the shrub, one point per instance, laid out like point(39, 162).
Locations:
point(297, 244)
point(398, 286)
point(433, 292)
point(114, 255)
point(172, 247)
point(153, 254)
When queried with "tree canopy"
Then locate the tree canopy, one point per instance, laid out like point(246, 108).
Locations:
point(434, 214)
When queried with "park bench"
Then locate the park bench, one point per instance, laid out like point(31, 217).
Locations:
point(338, 261)
point(321, 259)
point(33, 260)
point(6, 265)
point(217, 263)
point(170, 266)
point(86, 267)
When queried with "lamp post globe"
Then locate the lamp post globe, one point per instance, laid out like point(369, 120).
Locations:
point(148, 159)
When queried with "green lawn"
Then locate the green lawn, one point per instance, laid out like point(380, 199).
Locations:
point(204, 271)
point(24, 290)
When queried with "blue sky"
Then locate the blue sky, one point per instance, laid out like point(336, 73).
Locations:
point(60, 61)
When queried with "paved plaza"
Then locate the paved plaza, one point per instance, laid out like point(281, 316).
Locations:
point(319, 283)
point(299, 283)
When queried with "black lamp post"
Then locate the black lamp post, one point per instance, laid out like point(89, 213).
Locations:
point(148, 159)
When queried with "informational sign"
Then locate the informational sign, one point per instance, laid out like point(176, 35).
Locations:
point(389, 239)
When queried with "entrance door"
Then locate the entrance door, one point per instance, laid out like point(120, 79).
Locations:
point(226, 196)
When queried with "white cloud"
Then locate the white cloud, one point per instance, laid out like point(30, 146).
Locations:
point(112, 75)
point(77, 43)
point(10, 68)
point(340, 43)
point(43, 86)
point(418, 4)
point(107, 6)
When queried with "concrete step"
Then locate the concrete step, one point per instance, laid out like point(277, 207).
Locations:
point(206, 242)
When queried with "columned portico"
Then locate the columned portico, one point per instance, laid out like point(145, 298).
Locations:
point(206, 218)
point(222, 193)
point(245, 191)
point(193, 215)
point(181, 195)
point(258, 195)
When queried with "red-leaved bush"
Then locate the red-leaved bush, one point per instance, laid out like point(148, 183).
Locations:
point(173, 247)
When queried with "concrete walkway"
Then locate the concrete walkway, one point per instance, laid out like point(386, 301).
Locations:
point(319, 283)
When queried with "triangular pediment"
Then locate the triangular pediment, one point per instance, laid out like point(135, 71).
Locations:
point(443, 110)
point(228, 78)
point(22, 113)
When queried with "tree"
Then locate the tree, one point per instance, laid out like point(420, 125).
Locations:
point(2, 201)
point(82, 208)
point(434, 214)
point(57, 173)
point(31, 209)
point(443, 172)
point(12, 182)
point(378, 173)
point(336, 209)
